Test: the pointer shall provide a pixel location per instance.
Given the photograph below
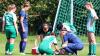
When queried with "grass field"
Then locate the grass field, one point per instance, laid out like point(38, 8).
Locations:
point(30, 44)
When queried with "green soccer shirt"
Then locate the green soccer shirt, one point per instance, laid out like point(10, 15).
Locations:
point(91, 15)
point(48, 41)
point(9, 18)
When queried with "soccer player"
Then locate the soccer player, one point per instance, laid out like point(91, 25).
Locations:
point(70, 42)
point(92, 17)
point(23, 26)
point(10, 27)
point(46, 43)
point(43, 31)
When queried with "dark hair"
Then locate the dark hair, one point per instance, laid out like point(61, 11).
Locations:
point(26, 4)
point(59, 26)
point(45, 24)
point(52, 33)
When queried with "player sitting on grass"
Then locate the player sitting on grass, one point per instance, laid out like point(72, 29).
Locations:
point(10, 28)
point(92, 17)
point(45, 45)
point(70, 42)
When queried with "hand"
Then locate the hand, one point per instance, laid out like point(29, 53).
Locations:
point(23, 30)
point(3, 32)
point(64, 45)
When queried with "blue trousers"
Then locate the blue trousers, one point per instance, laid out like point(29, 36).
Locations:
point(73, 47)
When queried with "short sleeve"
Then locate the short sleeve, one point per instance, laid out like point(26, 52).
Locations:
point(65, 38)
point(3, 19)
point(22, 13)
point(14, 17)
point(55, 40)
point(93, 13)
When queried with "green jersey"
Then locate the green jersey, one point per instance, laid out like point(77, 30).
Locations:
point(9, 18)
point(91, 15)
point(48, 41)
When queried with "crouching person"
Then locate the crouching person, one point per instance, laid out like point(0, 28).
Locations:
point(45, 45)
point(70, 42)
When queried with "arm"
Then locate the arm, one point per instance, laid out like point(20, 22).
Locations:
point(65, 41)
point(64, 44)
point(37, 40)
point(56, 47)
point(22, 25)
point(15, 24)
point(16, 27)
point(95, 17)
point(3, 25)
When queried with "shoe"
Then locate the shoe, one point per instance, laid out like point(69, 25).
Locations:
point(6, 53)
point(22, 53)
point(91, 55)
point(10, 53)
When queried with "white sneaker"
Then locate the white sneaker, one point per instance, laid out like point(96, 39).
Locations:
point(6, 53)
point(91, 55)
point(22, 53)
point(10, 53)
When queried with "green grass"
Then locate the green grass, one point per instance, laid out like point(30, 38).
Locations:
point(30, 44)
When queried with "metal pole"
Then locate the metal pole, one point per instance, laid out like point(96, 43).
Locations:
point(56, 15)
point(71, 12)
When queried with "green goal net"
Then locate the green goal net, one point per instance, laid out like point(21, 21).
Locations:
point(74, 13)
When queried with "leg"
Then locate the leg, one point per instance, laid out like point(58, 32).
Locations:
point(23, 41)
point(73, 47)
point(92, 43)
point(12, 35)
point(49, 52)
point(23, 45)
point(11, 45)
point(7, 46)
point(69, 48)
point(38, 40)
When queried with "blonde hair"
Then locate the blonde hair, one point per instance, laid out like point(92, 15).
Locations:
point(11, 6)
point(26, 4)
point(90, 4)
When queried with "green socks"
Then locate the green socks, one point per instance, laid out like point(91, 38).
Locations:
point(7, 47)
point(92, 49)
point(11, 47)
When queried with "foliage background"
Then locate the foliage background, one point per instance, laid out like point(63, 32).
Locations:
point(45, 11)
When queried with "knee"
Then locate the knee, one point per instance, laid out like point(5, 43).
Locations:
point(11, 41)
point(80, 47)
point(24, 39)
point(68, 50)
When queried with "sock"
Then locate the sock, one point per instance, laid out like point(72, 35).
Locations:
point(94, 49)
point(7, 47)
point(90, 49)
point(22, 46)
point(11, 47)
